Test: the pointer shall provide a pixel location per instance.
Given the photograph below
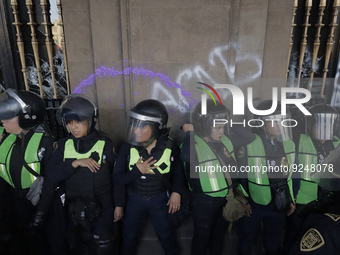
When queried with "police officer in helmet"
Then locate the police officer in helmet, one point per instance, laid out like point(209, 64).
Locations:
point(24, 152)
point(319, 140)
point(320, 230)
point(270, 193)
point(205, 145)
point(150, 169)
point(83, 164)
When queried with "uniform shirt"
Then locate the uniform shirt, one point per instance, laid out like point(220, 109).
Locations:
point(58, 169)
point(274, 156)
point(320, 232)
point(239, 136)
point(323, 150)
point(18, 152)
point(123, 177)
point(16, 166)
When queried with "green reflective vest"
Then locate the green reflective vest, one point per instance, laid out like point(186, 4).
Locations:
point(213, 183)
point(31, 158)
point(164, 159)
point(1, 131)
point(71, 153)
point(308, 156)
point(258, 181)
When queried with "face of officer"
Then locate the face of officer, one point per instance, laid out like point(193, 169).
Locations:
point(272, 129)
point(142, 133)
point(12, 125)
point(77, 128)
point(217, 132)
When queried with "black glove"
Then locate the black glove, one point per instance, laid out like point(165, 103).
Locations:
point(38, 220)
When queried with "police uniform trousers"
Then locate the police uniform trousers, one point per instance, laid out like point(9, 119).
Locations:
point(209, 224)
point(87, 231)
point(26, 240)
point(136, 209)
point(249, 229)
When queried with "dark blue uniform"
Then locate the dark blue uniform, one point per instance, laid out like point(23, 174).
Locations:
point(85, 190)
point(209, 223)
point(16, 211)
point(142, 199)
point(273, 220)
point(319, 235)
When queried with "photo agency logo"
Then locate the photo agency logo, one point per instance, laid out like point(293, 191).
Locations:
point(238, 105)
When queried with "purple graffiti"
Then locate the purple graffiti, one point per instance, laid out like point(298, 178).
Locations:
point(104, 71)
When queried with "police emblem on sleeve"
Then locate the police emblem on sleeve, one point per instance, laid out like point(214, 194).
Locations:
point(334, 217)
point(55, 146)
point(284, 162)
point(312, 240)
point(241, 152)
point(226, 152)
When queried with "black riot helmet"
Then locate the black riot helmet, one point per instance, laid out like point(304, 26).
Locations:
point(274, 125)
point(148, 112)
point(28, 106)
point(204, 122)
point(78, 107)
point(323, 124)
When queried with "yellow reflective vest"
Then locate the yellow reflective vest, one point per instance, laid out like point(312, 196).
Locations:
point(213, 183)
point(31, 158)
point(308, 156)
point(258, 181)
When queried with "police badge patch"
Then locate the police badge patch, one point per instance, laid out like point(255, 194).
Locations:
point(55, 146)
point(241, 152)
point(312, 240)
point(334, 217)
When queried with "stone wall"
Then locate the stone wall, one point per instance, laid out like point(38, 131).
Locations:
point(121, 52)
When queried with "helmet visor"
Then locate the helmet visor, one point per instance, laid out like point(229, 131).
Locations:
point(9, 107)
point(76, 107)
point(142, 132)
point(216, 124)
point(278, 127)
point(329, 176)
point(324, 126)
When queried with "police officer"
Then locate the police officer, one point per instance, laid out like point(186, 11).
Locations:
point(82, 164)
point(270, 192)
point(313, 147)
point(320, 233)
point(212, 147)
point(149, 167)
point(24, 152)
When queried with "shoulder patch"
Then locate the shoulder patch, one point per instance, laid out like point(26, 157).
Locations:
point(312, 240)
point(55, 145)
point(334, 217)
point(241, 152)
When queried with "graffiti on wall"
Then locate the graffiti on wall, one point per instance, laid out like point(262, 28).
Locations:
point(178, 94)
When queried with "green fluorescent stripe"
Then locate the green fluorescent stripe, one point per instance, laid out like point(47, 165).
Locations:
point(209, 94)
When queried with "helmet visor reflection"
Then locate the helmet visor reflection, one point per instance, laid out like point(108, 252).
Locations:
point(325, 126)
point(9, 107)
point(141, 132)
point(278, 127)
